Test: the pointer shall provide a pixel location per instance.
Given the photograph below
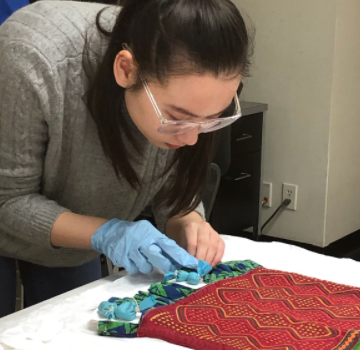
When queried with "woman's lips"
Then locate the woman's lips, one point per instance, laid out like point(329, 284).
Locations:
point(172, 146)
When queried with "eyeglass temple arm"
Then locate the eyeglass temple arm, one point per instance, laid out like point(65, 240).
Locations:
point(151, 97)
point(237, 104)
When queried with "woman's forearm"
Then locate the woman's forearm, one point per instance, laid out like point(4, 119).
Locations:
point(74, 231)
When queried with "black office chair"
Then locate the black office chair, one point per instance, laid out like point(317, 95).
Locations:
point(211, 189)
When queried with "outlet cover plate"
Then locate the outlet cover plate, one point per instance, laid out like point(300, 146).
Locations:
point(290, 191)
point(267, 192)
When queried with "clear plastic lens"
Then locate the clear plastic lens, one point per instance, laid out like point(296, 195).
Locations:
point(181, 127)
point(211, 124)
point(173, 129)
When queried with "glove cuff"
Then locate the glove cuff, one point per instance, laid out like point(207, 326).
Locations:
point(97, 239)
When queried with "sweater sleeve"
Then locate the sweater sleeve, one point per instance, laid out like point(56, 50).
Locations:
point(29, 95)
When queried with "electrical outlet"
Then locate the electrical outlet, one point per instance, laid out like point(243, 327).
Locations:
point(267, 192)
point(290, 192)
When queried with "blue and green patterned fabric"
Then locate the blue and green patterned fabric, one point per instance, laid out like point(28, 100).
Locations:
point(229, 269)
point(119, 301)
point(166, 293)
point(118, 329)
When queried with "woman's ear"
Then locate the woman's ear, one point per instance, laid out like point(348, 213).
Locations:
point(124, 69)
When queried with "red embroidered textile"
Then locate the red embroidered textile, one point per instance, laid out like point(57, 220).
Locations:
point(263, 309)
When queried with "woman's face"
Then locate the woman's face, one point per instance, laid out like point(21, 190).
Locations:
point(192, 97)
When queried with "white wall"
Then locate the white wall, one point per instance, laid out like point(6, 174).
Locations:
point(293, 72)
point(343, 208)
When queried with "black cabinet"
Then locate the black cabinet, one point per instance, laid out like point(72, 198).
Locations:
point(238, 204)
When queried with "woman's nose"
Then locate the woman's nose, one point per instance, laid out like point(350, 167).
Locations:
point(190, 137)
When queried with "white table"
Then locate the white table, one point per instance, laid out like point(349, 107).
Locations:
point(73, 317)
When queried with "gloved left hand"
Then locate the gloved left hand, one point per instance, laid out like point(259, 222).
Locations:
point(139, 246)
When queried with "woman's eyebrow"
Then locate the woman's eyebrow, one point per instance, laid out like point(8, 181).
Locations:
point(190, 114)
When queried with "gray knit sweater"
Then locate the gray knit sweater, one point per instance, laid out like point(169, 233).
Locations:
point(51, 159)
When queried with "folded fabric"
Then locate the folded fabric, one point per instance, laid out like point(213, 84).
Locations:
point(124, 309)
point(107, 309)
point(191, 277)
point(262, 309)
point(127, 311)
point(166, 293)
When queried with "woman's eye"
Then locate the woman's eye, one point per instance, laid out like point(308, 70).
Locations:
point(213, 117)
point(171, 117)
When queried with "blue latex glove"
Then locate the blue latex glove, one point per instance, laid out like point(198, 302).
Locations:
point(139, 246)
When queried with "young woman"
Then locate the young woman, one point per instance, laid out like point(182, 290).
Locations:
point(104, 111)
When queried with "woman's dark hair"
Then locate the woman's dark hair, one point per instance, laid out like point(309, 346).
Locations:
point(168, 38)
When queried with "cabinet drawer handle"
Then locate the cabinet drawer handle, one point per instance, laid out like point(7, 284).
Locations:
point(244, 137)
point(242, 176)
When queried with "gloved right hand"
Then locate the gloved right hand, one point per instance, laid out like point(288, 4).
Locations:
point(139, 246)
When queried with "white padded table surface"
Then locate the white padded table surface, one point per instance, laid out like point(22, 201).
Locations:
point(69, 321)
